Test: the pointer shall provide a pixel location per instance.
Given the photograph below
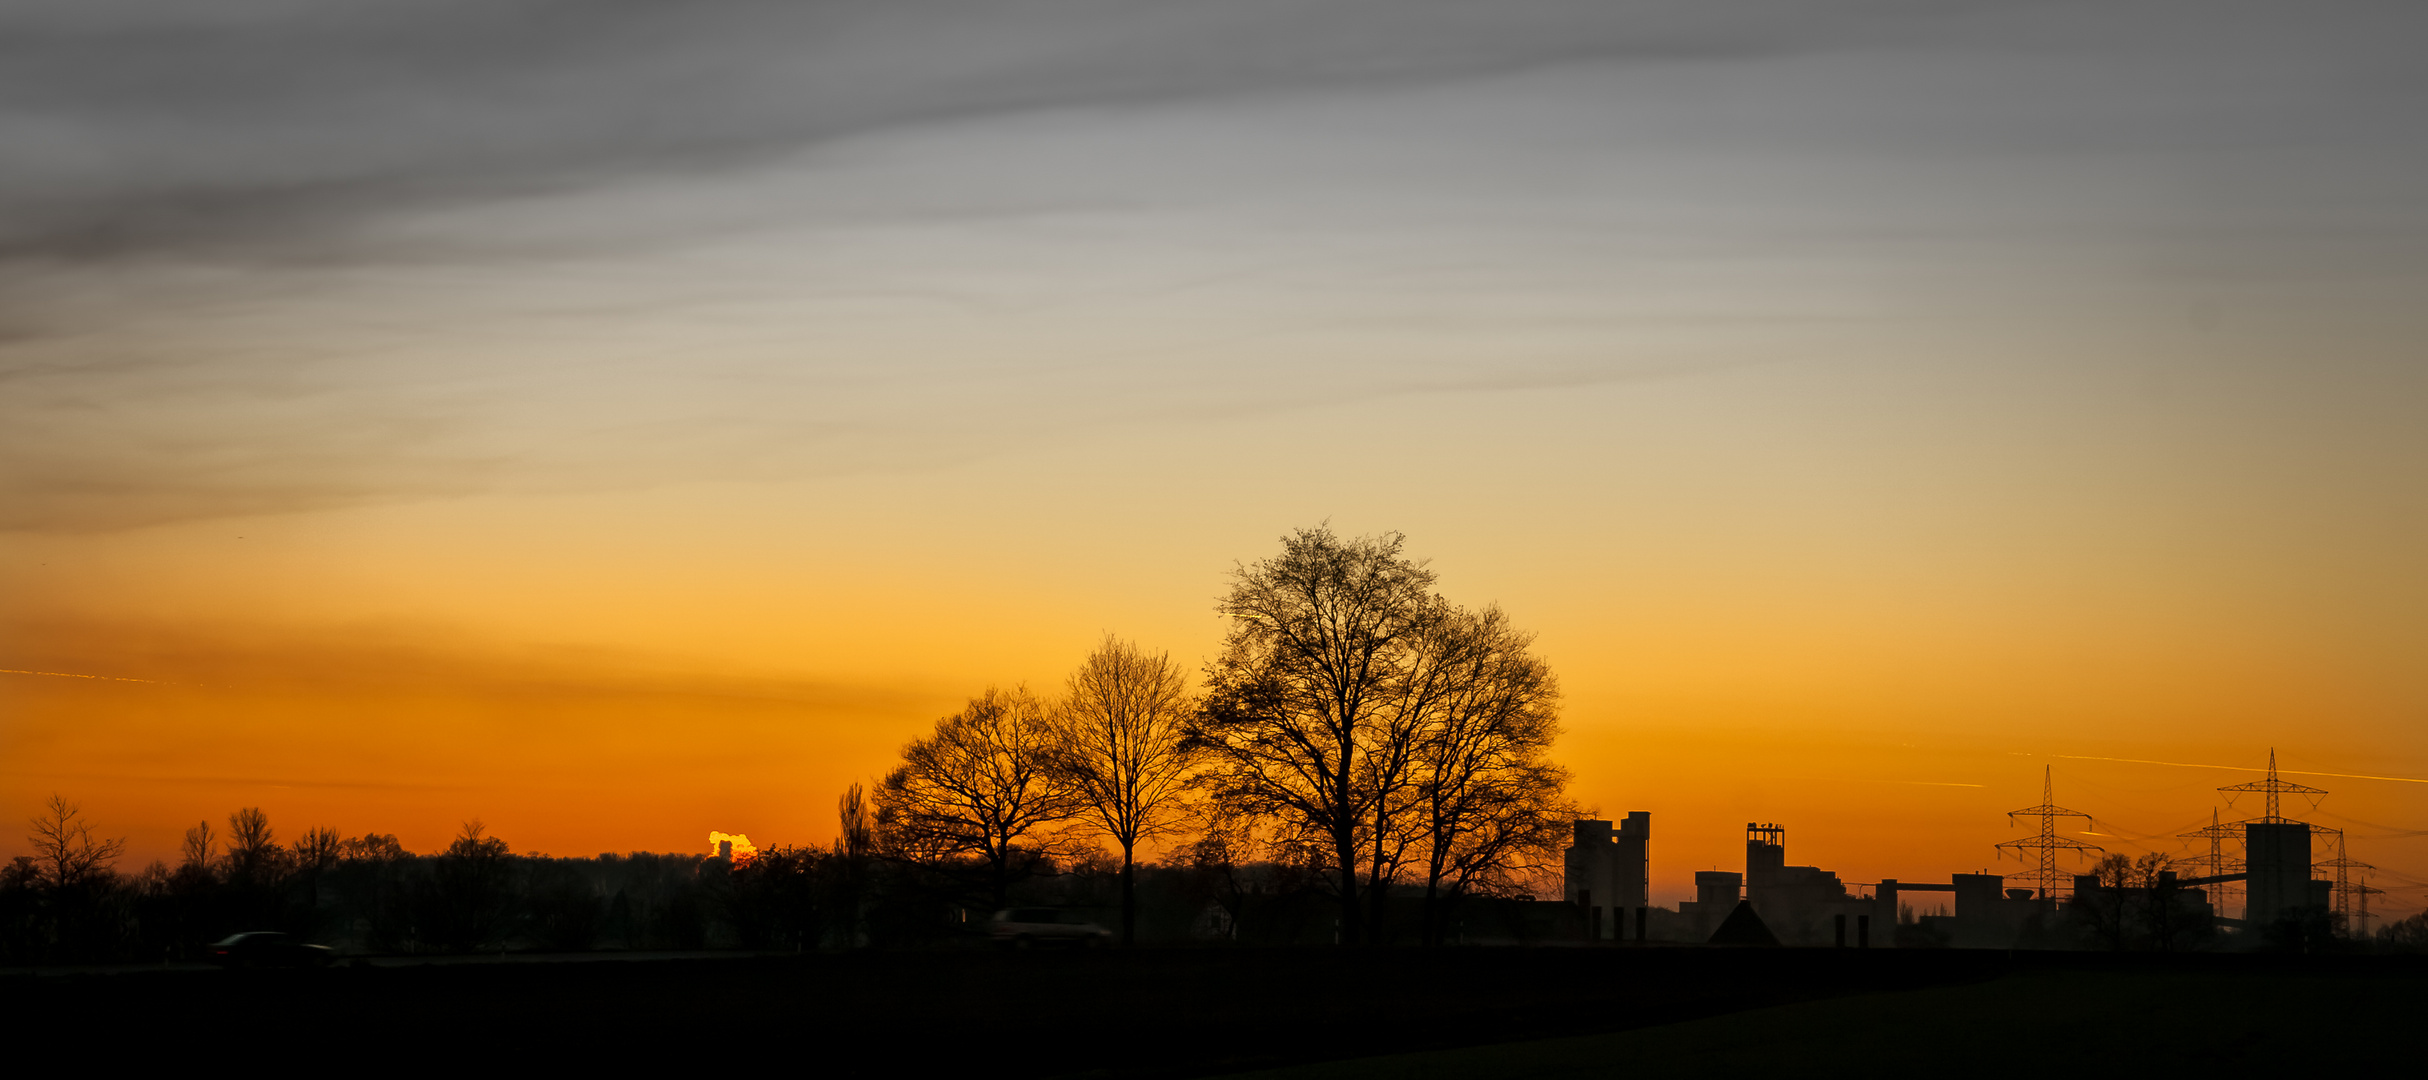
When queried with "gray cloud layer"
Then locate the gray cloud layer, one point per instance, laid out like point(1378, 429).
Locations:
point(177, 175)
point(251, 130)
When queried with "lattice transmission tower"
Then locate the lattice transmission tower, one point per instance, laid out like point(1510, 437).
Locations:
point(2346, 889)
point(2216, 863)
point(2360, 895)
point(2351, 904)
point(2043, 848)
point(2275, 790)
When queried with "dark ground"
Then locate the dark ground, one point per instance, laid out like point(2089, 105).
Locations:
point(1547, 1011)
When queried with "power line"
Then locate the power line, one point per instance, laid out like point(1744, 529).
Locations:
point(2395, 832)
point(2276, 790)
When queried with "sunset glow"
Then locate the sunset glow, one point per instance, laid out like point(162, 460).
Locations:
point(741, 852)
point(1865, 418)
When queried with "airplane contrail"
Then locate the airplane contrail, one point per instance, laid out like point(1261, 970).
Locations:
point(73, 675)
point(2230, 768)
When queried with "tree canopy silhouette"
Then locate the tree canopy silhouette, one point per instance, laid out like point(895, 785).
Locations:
point(1488, 798)
point(1122, 742)
point(66, 852)
point(1374, 723)
point(984, 781)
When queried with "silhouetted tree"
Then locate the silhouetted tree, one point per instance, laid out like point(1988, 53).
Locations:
point(856, 835)
point(2405, 935)
point(312, 855)
point(1487, 797)
point(2163, 914)
point(855, 844)
point(774, 901)
point(467, 903)
point(1306, 707)
point(66, 852)
point(71, 898)
point(201, 849)
point(255, 869)
point(1122, 741)
point(372, 847)
point(23, 936)
point(2302, 930)
point(2134, 905)
point(565, 908)
point(194, 904)
point(981, 784)
point(317, 849)
point(1218, 860)
point(249, 836)
point(2105, 912)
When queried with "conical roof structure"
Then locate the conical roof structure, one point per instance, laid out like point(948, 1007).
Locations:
point(1743, 927)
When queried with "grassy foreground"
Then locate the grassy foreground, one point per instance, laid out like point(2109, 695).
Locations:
point(1545, 1012)
point(2088, 1022)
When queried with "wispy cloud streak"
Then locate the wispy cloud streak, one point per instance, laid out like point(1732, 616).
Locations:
point(2232, 768)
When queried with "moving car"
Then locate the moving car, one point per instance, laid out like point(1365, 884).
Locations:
point(266, 949)
point(1023, 927)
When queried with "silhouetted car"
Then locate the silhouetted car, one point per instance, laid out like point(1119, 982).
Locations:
point(1023, 927)
point(266, 949)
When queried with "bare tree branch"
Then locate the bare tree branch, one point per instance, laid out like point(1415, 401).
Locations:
point(65, 848)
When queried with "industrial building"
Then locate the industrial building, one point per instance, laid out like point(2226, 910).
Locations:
point(1798, 905)
point(1803, 905)
point(1983, 914)
point(2276, 873)
point(1608, 875)
point(1716, 894)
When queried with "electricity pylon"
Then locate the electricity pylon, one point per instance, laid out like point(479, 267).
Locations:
point(2345, 888)
point(2044, 847)
point(2275, 789)
point(2351, 899)
point(2215, 863)
point(2361, 893)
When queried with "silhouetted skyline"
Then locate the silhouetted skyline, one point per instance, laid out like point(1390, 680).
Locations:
point(620, 425)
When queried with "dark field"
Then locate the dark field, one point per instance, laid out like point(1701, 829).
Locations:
point(1521, 1012)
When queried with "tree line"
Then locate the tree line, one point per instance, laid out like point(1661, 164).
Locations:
point(1356, 736)
point(67, 903)
point(1358, 751)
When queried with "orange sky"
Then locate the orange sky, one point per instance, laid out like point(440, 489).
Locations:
point(1864, 420)
point(1856, 649)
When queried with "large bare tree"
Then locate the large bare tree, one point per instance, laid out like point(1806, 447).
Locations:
point(1307, 706)
point(986, 780)
point(1489, 802)
point(1122, 735)
point(1362, 716)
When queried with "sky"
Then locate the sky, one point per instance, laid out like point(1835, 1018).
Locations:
point(618, 421)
